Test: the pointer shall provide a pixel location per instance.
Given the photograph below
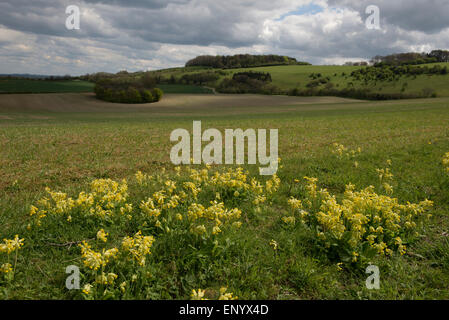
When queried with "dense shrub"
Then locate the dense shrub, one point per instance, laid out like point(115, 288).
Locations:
point(199, 78)
point(363, 94)
point(127, 90)
point(393, 73)
point(249, 82)
point(412, 58)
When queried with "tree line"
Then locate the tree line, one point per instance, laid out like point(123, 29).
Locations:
point(242, 61)
point(412, 58)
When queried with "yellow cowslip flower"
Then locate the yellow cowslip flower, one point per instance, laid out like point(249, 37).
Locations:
point(9, 246)
point(87, 289)
point(33, 210)
point(142, 179)
point(149, 208)
point(388, 188)
point(402, 249)
point(354, 256)
point(197, 294)
point(94, 260)
point(179, 217)
point(384, 174)
point(102, 235)
point(237, 224)
point(446, 161)
point(123, 287)
point(226, 295)
point(259, 199)
point(111, 277)
point(201, 229)
point(160, 197)
point(138, 247)
point(289, 220)
point(216, 230)
point(6, 268)
point(192, 187)
point(274, 244)
point(171, 186)
point(196, 211)
point(128, 208)
point(295, 203)
point(339, 266)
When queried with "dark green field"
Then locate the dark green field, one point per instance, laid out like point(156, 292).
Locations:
point(44, 86)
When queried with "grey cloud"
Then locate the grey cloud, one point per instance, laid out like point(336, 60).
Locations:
point(137, 34)
point(430, 16)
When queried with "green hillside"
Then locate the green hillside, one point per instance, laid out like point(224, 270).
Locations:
point(296, 76)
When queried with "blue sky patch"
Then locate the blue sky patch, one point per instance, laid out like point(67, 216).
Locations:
point(311, 8)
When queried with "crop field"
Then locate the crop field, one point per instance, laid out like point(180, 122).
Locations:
point(90, 184)
point(43, 86)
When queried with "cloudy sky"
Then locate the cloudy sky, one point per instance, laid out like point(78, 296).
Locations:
point(137, 35)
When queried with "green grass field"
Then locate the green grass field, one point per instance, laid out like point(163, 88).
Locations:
point(65, 149)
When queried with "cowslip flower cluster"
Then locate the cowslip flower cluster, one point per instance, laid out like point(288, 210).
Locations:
point(9, 246)
point(341, 151)
point(175, 205)
point(143, 179)
point(216, 213)
point(362, 218)
point(138, 247)
point(102, 264)
point(105, 199)
point(95, 260)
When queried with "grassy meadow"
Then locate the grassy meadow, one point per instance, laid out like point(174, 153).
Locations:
point(259, 253)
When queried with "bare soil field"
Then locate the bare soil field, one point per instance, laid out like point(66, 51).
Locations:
point(86, 102)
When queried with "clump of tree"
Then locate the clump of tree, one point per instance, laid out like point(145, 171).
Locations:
point(387, 73)
point(128, 90)
point(411, 58)
point(200, 79)
point(249, 82)
point(317, 80)
point(242, 61)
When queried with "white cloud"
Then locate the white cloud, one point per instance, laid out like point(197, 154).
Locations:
point(152, 34)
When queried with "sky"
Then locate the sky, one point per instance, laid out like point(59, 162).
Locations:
point(136, 35)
